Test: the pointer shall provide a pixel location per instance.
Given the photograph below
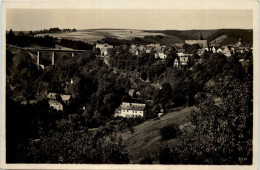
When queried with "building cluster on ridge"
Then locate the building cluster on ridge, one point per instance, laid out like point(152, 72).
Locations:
point(127, 109)
point(160, 52)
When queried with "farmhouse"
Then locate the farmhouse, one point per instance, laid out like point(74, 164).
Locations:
point(131, 110)
point(57, 101)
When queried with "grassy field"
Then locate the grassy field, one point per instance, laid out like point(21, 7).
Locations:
point(92, 35)
point(146, 139)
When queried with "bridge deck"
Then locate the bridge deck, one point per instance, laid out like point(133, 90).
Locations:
point(55, 50)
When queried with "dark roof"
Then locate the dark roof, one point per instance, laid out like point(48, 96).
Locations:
point(133, 106)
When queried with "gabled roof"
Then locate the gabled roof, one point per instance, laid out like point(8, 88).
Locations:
point(226, 50)
point(149, 48)
point(65, 97)
point(52, 96)
point(181, 50)
point(133, 106)
point(160, 51)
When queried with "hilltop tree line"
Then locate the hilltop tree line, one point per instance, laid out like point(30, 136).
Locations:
point(57, 30)
point(23, 40)
point(26, 40)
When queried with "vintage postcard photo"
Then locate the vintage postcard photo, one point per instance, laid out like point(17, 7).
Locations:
point(129, 85)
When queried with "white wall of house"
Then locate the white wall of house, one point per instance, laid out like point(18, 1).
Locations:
point(214, 50)
point(131, 113)
point(162, 55)
point(56, 105)
point(176, 63)
point(219, 50)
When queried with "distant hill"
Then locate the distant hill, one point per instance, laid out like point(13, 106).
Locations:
point(232, 36)
point(221, 36)
point(167, 37)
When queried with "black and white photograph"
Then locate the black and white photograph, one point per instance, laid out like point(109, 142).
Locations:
point(129, 86)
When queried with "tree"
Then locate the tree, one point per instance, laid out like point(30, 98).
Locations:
point(169, 61)
point(223, 130)
point(144, 75)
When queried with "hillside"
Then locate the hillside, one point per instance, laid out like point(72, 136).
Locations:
point(231, 35)
point(18, 61)
point(146, 139)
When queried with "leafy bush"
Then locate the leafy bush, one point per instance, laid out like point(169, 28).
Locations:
point(169, 132)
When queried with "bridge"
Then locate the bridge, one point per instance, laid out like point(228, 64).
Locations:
point(53, 51)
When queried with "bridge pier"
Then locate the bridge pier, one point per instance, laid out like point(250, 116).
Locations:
point(72, 55)
point(38, 60)
point(52, 58)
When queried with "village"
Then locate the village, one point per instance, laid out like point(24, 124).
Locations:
point(160, 52)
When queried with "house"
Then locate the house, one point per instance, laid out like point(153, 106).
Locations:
point(220, 50)
point(161, 54)
point(184, 60)
point(181, 61)
point(176, 63)
point(141, 48)
point(132, 92)
point(25, 102)
point(134, 51)
point(149, 49)
point(215, 48)
point(227, 51)
point(130, 110)
point(57, 101)
point(103, 48)
point(180, 52)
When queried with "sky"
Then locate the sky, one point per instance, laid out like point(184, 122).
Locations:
point(142, 19)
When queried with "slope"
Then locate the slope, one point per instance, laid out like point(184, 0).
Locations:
point(146, 139)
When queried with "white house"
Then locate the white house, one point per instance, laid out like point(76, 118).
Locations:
point(161, 54)
point(104, 48)
point(57, 101)
point(131, 110)
point(184, 60)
